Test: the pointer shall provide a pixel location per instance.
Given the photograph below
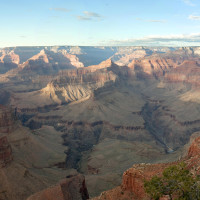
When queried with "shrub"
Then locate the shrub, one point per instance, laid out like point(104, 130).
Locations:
point(177, 182)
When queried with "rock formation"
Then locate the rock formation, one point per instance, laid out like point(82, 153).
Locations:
point(187, 72)
point(71, 188)
point(48, 62)
point(153, 65)
point(9, 57)
point(105, 64)
point(69, 86)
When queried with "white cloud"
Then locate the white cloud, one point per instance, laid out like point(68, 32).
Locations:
point(194, 17)
point(158, 40)
point(188, 2)
point(151, 20)
point(89, 16)
point(60, 9)
point(84, 18)
point(92, 14)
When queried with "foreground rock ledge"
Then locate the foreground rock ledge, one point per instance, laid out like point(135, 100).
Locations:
point(71, 188)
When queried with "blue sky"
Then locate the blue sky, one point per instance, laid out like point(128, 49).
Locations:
point(100, 22)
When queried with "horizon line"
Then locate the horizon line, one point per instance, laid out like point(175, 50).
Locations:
point(98, 46)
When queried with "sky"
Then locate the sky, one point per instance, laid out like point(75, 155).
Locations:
point(100, 22)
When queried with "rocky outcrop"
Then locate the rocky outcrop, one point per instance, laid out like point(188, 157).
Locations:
point(187, 72)
point(71, 188)
point(74, 188)
point(10, 57)
point(174, 65)
point(48, 62)
point(43, 56)
point(69, 86)
point(23, 53)
point(57, 57)
point(74, 60)
point(132, 186)
point(133, 179)
point(150, 66)
point(193, 156)
point(194, 149)
point(8, 60)
point(126, 56)
point(105, 64)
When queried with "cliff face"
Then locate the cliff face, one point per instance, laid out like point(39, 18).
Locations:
point(178, 69)
point(194, 149)
point(152, 65)
point(133, 178)
point(188, 72)
point(132, 186)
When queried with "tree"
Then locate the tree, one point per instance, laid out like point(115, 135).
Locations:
point(177, 182)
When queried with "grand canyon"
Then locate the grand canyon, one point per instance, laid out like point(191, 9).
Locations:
point(80, 122)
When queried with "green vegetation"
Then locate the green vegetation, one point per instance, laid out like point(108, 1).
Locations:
point(177, 182)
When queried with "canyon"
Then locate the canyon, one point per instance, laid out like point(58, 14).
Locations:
point(84, 115)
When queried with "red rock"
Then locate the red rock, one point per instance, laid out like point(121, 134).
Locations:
point(51, 193)
point(194, 149)
point(74, 188)
point(10, 57)
point(105, 64)
point(152, 65)
point(71, 188)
